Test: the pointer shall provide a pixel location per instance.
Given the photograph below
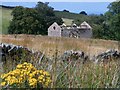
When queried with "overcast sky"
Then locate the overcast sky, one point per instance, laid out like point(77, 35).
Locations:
point(91, 7)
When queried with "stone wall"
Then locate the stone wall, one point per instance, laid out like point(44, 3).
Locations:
point(76, 33)
point(85, 33)
point(54, 30)
point(18, 53)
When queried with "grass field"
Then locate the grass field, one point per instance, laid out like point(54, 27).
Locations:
point(67, 21)
point(70, 15)
point(5, 17)
point(73, 74)
point(49, 44)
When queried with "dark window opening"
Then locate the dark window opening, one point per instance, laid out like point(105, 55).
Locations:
point(54, 27)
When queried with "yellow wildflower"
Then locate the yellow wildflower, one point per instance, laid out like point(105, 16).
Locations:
point(46, 73)
point(46, 83)
point(40, 78)
point(41, 71)
point(43, 80)
point(3, 83)
point(32, 82)
point(25, 63)
point(26, 71)
point(19, 66)
point(4, 76)
point(20, 80)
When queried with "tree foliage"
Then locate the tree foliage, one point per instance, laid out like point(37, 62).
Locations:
point(107, 26)
point(25, 20)
point(113, 20)
point(32, 20)
point(47, 14)
point(65, 10)
point(83, 13)
point(110, 27)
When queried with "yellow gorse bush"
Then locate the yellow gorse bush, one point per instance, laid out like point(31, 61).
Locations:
point(26, 74)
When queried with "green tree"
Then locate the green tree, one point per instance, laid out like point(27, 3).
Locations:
point(32, 20)
point(48, 14)
point(25, 20)
point(113, 20)
point(108, 25)
point(83, 13)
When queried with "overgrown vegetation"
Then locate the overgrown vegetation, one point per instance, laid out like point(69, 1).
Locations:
point(75, 74)
point(71, 74)
point(110, 28)
point(25, 76)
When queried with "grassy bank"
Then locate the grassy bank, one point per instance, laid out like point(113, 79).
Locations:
point(5, 17)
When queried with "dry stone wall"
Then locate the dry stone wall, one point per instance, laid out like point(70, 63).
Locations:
point(17, 53)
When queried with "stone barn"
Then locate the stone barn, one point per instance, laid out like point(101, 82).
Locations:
point(54, 30)
point(84, 30)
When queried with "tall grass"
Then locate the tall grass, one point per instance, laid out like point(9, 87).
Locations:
point(48, 44)
point(72, 74)
point(75, 74)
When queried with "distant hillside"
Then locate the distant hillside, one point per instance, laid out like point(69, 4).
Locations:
point(67, 21)
point(67, 17)
point(5, 18)
point(61, 14)
point(77, 18)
